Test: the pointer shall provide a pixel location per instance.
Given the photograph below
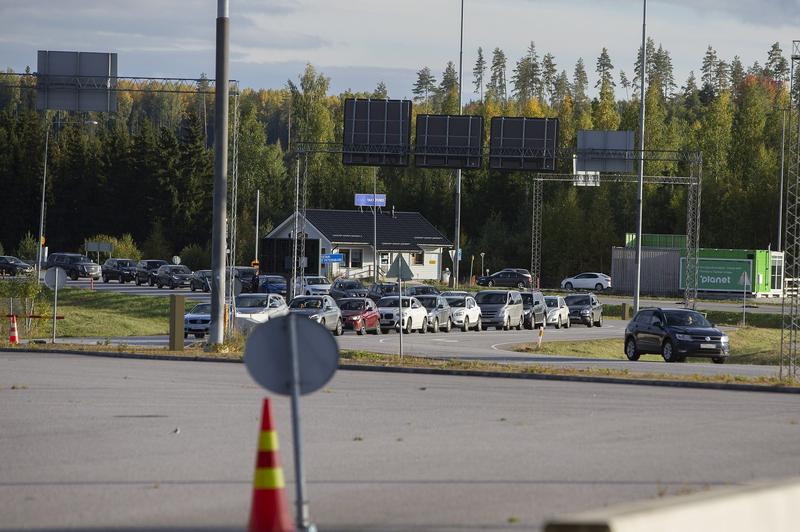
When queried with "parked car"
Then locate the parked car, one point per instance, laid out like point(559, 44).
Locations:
point(501, 308)
point(13, 266)
point(197, 321)
point(586, 309)
point(454, 293)
point(675, 334)
point(419, 290)
point(412, 317)
point(122, 270)
point(322, 309)
point(465, 312)
point(557, 311)
point(252, 309)
point(76, 265)
point(201, 280)
point(248, 277)
point(534, 310)
point(146, 271)
point(510, 278)
point(438, 312)
point(173, 276)
point(272, 284)
point(312, 285)
point(347, 288)
point(587, 281)
point(360, 314)
point(378, 291)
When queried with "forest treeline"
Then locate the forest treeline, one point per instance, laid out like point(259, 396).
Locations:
point(147, 170)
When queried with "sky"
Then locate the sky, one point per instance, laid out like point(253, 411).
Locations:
point(359, 43)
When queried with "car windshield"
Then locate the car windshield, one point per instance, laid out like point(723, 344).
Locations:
point(351, 285)
point(316, 280)
point(392, 302)
point(203, 308)
point(357, 304)
point(125, 263)
point(306, 302)
point(276, 279)
point(245, 270)
point(574, 301)
point(388, 288)
point(14, 260)
point(252, 301)
point(203, 273)
point(457, 301)
point(527, 298)
point(686, 318)
point(491, 298)
point(552, 302)
point(179, 269)
point(428, 302)
point(424, 290)
point(75, 260)
point(154, 264)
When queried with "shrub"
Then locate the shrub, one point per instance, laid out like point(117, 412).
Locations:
point(26, 249)
point(196, 257)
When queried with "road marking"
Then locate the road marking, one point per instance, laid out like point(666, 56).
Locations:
point(443, 340)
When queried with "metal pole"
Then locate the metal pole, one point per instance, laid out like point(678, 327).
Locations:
point(55, 305)
point(258, 205)
point(400, 304)
point(457, 254)
point(780, 196)
point(640, 182)
point(218, 244)
point(292, 287)
point(41, 209)
point(302, 519)
point(375, 222)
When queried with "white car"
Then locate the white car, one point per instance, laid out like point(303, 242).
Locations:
point(312, 285)
point(465, 312)
point(557, 311)
point(414, 315)
point(252, 309)
point(587, 281)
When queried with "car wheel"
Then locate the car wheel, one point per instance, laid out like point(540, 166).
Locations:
point(558, 323)
point(568, 286)
point(718, 360)
point(151, 282)
point(74, 276)
point(630, 350)
point(465, 327)
point(121, 280)
point(589, 323)
point(409, 327)
point(520, 285)
point(338, 330)
point(598, 287)
point(435, 327)
point(192, 288)
point(185, 335)
point(667, 353)
point(200, 335)
point(479, 325)
point(377, 330)
point(448, 326)
point(599, 322)
point(363, 329)
point(138, 282)
point(490, 283)
point(206, 289)
point(160, 286)
point(172, 286)
point(105, 278)
point(519, 325)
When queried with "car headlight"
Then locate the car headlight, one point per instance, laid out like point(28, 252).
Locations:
point(459, 313)
point(314, 317)
point(725, 339)
point(585, 312)
point(683, 337)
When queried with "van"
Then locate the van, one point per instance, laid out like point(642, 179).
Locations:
point(501, 308)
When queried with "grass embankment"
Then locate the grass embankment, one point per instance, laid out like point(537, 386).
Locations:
point(749, 345)
point(102, 314)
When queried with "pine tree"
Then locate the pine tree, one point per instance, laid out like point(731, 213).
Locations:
point(637, 68)
point(497, 81)
point(604, 68)
point(624, 82)
point(448, 90)
point(478, 73)
point(561, 90)
point(580, 84)
point(737, 74)
point(549, 76)
point(424, 86)
point(380, 92)
point(662, 67)
point(777, 67)
point(709, 68)
point(722, 76)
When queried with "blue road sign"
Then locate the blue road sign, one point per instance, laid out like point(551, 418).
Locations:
point(370, 200)
point(331, 258)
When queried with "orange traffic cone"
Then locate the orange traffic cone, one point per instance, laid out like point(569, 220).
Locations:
point(13, 337)
point(270, 510)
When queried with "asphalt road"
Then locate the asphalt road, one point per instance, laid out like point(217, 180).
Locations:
point(90, 443)
point(132, 289)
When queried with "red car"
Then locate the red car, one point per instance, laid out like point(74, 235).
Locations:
point(360, 314)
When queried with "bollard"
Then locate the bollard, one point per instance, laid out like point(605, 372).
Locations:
point(177, 307)
point(626, 311)
point(541, 335)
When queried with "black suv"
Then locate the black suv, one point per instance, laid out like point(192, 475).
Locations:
point(675, 334)
point(13, 266)
point(146, 271)
point(534, 309)
point(379, 290)
point(75, 264)
point(201, 280)
point(586, 309)
point(173, 276)
point(122, 270)
point(509, 277)
point(347, 288)
point(248, 277)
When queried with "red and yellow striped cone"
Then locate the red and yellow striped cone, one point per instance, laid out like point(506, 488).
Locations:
point(270, 510)
point(13, 336)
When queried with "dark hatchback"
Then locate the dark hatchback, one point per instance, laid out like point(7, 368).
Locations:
point(272, 284)
point(13, 266)
point(509, 277)
point(146, 271)
point(675, 334)
point(586, 309)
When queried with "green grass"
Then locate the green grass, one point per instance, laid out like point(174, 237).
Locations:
point(102, 314)
point(749, 345)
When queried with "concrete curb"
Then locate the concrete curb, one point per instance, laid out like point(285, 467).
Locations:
point(452, 372)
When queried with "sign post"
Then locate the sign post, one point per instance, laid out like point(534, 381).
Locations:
point(402, 272)
point(744, 280)
point(54, 278)
point(293, 356)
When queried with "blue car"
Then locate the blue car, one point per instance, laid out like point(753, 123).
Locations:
point(272, 284)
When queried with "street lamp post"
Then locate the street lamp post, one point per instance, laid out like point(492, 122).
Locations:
point(640, 182)
point(482, 255)
point(457, 254)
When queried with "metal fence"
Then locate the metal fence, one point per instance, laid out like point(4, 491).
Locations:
point(660, 270)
